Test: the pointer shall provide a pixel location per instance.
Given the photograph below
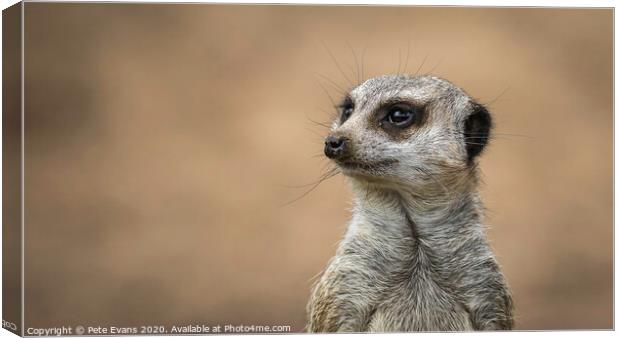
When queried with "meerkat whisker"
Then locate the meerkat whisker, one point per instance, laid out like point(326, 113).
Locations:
point(314, 132)
point(435, 66)
point(407, 58)
point(506, 134)
point(332, 83)
point(336, 63)
point(498, 96)
point(321, 178)
point(320, 124)
point(327, 93)
point(421, 65)
point(357, 68)
point(398, 68)
point(362, 63)
point(314, 186)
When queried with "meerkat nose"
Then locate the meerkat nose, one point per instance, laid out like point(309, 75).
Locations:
point(335, 147)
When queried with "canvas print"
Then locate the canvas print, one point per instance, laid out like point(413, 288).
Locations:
point(195, 168)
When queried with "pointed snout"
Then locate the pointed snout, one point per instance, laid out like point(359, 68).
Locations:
point(336, 147)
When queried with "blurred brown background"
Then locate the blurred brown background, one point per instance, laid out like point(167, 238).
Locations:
point(160, 140)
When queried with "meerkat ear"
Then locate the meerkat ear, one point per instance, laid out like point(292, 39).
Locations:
point(477, 130)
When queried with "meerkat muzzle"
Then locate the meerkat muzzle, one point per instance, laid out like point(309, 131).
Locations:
point(336, 147)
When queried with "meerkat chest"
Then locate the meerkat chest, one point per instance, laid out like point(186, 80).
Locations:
point(410, 291)
point(420, 304)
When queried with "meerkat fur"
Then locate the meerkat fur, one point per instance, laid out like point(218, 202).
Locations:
point(415, 255)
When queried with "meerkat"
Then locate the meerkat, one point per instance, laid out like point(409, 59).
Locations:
point(415, 255)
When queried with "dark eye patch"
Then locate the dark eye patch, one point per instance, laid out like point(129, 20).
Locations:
point(396, 117)
point(346, 108)
point(402, 115)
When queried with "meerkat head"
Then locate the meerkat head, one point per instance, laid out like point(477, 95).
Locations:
point(411, 131)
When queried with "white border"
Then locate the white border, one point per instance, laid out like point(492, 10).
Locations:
point(476, 3)
point(481, 3)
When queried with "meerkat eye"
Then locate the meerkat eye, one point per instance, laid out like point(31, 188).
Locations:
point(402, 115)
point(346, 113)
point(346, 109)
